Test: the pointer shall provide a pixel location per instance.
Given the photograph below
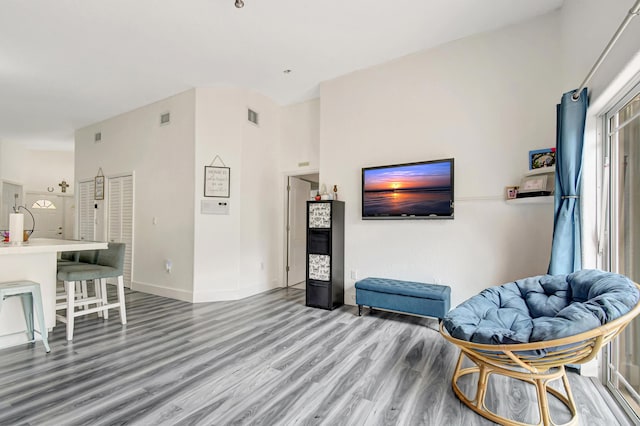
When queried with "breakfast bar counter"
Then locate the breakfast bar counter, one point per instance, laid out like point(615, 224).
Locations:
point(34, 260)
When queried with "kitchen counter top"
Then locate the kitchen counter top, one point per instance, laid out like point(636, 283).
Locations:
point(45, 245)
point(35, 261)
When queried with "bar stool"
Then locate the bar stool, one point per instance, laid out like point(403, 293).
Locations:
point(108, 264)
point(68, 257)
point(73, 258)
point(29, 293)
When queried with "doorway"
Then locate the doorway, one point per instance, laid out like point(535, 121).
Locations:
point(48, 212)
point(299, 190)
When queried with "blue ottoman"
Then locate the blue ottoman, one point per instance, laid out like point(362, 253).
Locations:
point(430, 300)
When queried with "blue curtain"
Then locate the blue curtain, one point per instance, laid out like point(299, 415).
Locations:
point(565, 248)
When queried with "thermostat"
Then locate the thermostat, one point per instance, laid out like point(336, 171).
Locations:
point(214, 207)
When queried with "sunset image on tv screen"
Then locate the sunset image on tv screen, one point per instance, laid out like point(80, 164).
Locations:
point(423, 189)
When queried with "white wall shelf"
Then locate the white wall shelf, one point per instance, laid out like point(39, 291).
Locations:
point(545, 199)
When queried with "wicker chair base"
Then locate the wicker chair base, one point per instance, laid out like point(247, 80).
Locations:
point(516, 361)
point(539, 380)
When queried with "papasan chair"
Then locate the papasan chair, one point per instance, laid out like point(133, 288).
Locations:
point(531, 328)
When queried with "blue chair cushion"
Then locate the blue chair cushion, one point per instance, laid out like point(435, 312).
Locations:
point(542, 308)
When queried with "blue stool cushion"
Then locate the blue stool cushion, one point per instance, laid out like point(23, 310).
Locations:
point(107, 263)
point(404, 296)
point(86, 272)
point(542, 308)
point(405, 288)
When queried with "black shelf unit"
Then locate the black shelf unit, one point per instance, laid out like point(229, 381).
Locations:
point(325, 254)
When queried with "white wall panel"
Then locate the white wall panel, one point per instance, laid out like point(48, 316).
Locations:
point(486, 101)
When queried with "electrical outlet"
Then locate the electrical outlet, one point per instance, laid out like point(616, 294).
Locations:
point(354, 274)
point(168, 265)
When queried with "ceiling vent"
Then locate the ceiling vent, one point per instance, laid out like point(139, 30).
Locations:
point(97, 138)
point(252, 116)
point(165, 118)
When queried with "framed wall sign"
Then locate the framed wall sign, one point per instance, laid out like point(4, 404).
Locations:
point(216, 181)
point(99, 188)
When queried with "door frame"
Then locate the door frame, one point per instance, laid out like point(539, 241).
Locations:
point(101, 231)
point(285, 217)
point(76, 219)
point(105, 213)
point(68, 233)
point(609, 203)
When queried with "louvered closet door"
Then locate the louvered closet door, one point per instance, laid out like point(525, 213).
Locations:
point(86, 211)
point(120, 219)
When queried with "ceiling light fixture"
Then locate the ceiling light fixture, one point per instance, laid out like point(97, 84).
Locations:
point(239, 4)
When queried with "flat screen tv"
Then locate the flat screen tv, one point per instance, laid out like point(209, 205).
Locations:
point(421, 190)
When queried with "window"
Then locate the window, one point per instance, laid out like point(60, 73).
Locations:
point(43, 204)
point(623, 245)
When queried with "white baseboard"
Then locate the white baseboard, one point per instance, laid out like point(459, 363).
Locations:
point(231, 294)
point(202, 296)
point(171, 293)
point(16, 339)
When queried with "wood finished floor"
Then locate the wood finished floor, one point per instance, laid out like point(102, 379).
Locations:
point(265, 360)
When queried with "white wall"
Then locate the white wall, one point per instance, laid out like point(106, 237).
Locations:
point(215, 257)
point(486, 101)
point(219, 115)
point(300, 137)
point(261, 226)
point(587, 26)
point(13, 158)
point(239, 254)
point(38, 170)
point(46, 169)
point(162, 160)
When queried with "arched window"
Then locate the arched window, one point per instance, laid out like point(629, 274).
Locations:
point(43, 204)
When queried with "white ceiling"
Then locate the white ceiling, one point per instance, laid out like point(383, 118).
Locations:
point(65, 64)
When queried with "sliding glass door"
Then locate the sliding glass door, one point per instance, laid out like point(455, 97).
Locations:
point(623, 129)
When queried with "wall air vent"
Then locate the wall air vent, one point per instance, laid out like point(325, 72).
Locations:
point(165, 119)
point(97, 138)
point(252, 116)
